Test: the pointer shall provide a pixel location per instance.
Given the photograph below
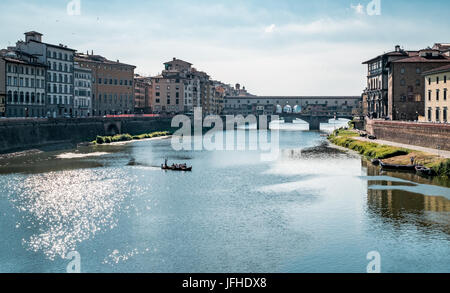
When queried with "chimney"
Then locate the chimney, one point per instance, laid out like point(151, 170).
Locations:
point(92, 52)
point(174, 58)
point(397, 48)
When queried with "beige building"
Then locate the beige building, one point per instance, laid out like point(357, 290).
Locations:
point(175, 89)
point(112, 85)
point(437, 101)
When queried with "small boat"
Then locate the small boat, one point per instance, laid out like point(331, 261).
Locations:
point(397, 167)
point(182, 167)
point(176, 168)
point(422, 170)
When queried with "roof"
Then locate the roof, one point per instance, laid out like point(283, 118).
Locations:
point(177, 60)
point(445, 68)
point(33, 33)
point(393, 53)
point(18, 61)
point(98, 59)
point(420, 59)
point(54, 46)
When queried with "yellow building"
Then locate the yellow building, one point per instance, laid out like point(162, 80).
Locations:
point(437, 101)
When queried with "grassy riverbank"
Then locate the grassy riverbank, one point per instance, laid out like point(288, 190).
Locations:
point(128, 137)
point(389, 154)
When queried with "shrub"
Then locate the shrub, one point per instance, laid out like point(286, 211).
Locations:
point(442, 168)
point(100, 140)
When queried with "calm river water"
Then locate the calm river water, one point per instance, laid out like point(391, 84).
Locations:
point(315, 209)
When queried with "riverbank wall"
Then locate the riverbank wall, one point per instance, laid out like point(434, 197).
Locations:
point(430, 135)
point(25, 134)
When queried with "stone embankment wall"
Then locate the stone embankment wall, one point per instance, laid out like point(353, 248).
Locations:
point(25, 134)
point(431, 135)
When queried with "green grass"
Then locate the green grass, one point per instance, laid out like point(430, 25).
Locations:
point(441, 168)
point(368, 149)
point(128, 137)
point(345, 133)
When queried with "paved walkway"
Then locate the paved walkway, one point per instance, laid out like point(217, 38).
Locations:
point(442, 153)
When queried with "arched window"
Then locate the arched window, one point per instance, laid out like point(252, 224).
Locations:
point(27, 97)
point(32, 98)
point(9, 96)
point(16, 97)
point(38, 98)
point(21, 97)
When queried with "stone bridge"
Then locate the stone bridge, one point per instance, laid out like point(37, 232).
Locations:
point(313, 119)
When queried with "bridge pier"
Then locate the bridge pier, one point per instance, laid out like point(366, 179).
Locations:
point(314, 123)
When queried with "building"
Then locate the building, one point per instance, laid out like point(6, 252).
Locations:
point(22, 84)
point(437, 102)
point(112, 84)
point(375, 96)
point(142, 94)
point(2, 89)
point(395, 88)
point(83, 91)
point(406, 89)
point(174, 89)
point(341, 105)
point(59, 80)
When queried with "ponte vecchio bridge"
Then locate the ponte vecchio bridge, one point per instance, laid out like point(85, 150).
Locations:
point(311, 109)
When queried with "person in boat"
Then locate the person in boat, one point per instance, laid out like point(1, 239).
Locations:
point(165, 163)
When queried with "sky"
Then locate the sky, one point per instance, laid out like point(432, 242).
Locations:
point(272, 47)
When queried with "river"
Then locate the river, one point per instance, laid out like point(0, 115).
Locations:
point(314, 209)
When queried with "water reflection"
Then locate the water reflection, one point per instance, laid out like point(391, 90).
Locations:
point(63, 209)
point(394, 200)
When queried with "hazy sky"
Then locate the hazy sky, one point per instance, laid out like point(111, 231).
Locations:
point(273, 47)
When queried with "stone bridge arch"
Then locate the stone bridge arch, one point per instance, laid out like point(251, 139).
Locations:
point(113, 127)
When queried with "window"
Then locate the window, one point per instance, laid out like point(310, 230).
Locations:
point(437, 95)
point(445, 94)
point(402, 71)
point(445, 78)
point(402, 82)
point(437, 80)
point(444, 114)
point(418, 82)
point(437, 114)
point(418, 70)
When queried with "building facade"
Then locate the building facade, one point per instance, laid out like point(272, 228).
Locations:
point(142, 94)
point(112, 85)
point(406, 89)
point(174, 89)
point(23, 83)
point(83, 92)
point(2, 88)
point(375, 96)
point(437, 102)
point(59, 77)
